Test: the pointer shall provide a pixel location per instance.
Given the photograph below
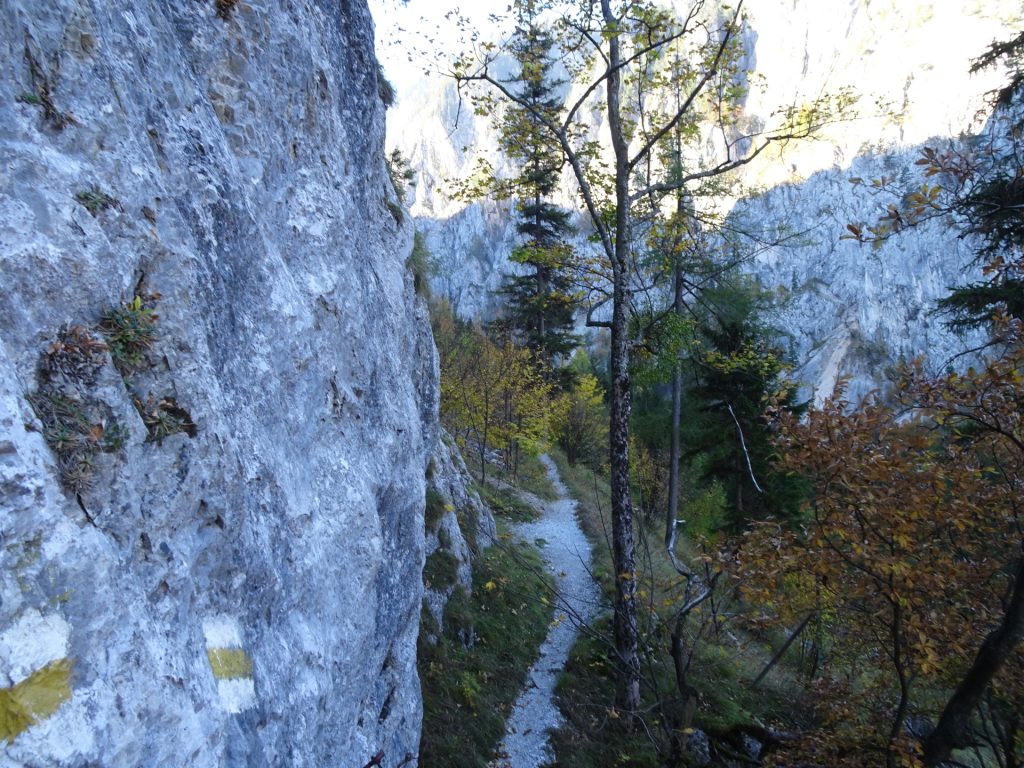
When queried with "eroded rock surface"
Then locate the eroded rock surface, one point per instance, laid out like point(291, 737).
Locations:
point(458, 525)
point(232, 575)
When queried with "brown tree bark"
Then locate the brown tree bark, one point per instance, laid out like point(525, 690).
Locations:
point(623, 545)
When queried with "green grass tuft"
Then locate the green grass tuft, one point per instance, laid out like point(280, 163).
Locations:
point(593, 735)
point(130, 331)
point(533, 477)
point(472, 676)
point(506, 503)
point(436, 506)
point(441, 570)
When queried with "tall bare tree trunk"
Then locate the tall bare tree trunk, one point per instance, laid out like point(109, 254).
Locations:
point(672, 511)
point(623, 545)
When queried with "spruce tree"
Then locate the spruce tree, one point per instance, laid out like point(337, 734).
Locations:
point(738, 369)
point(540, 302)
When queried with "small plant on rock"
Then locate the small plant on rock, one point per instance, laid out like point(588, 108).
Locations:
point(130, 331)
point(163, 417)
point(75, 427)
point(95, 200)
point(385, 89)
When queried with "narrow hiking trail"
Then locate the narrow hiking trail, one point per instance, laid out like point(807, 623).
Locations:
point(566, 553)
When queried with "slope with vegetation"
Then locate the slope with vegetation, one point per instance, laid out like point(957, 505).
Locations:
point(841, 587)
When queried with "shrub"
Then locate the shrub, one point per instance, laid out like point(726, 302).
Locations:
point(421, 265)
point(164, 417)
point(385, 89)
point(130, 331)
point(95, 200)
point(400, 173)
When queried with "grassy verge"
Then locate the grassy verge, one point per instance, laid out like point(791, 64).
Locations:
point(533, 477)
point(469, 687)
point(593, 737)
point(505, 502)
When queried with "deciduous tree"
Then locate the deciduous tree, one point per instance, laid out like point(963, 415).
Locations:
point(618, 53)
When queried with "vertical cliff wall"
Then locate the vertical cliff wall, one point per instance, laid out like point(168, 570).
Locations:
point(217, 390)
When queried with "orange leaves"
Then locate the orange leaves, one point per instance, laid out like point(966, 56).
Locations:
point(914, 513)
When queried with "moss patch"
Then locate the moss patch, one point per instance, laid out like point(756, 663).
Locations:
point(34, 699)
point(435, 509)
point(506, 503)
point(441, 570)
point(229, 663)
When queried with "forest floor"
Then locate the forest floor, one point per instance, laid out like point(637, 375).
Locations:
point(567, 556)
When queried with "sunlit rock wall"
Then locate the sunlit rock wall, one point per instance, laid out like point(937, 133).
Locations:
point(856, 309)
point(213, 555)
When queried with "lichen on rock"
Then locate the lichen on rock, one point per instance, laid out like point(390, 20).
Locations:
point(240, 159)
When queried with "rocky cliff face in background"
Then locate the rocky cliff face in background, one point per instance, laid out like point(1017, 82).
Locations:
point(852, 310)
point(211, 552)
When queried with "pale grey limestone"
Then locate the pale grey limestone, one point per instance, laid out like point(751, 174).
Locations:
point(466, 526)
point(246, 156)
point(852, 310)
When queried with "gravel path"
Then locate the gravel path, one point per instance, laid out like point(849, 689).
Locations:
point(566, 552)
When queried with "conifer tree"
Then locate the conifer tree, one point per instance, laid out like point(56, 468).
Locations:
point(540, 302)
point(615, 50)
point(739, 370)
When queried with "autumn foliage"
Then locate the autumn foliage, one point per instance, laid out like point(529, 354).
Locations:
point(495, 396)
point(909, 559)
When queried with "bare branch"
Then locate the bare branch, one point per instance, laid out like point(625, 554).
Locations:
point(743, 444)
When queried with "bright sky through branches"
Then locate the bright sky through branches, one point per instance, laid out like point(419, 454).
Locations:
point(421, 35)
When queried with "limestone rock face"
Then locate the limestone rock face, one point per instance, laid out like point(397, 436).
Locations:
point(458, 525)
point(211, 552)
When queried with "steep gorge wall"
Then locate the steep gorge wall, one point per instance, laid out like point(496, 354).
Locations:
point(246, 592)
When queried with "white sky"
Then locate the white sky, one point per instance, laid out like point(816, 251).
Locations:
point(417, 35)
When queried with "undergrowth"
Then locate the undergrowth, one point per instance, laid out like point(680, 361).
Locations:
point(533, 477)
point(505, 502)
point(725, 660)
point(472, 675)
point(594, 735)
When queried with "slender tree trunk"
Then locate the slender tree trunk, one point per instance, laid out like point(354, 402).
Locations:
point(483, 442)
point(623, 546)
point(672, 511)
point(953, 729)
point(896, 633)
point(785, 647)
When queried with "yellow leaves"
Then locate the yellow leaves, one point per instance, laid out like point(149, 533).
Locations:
point(490, 586)
point(494, 394)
